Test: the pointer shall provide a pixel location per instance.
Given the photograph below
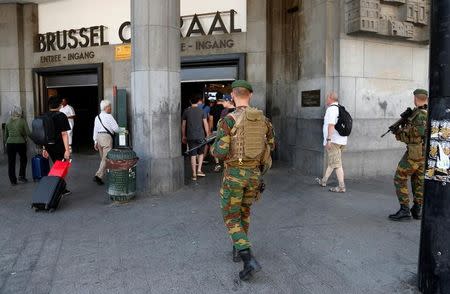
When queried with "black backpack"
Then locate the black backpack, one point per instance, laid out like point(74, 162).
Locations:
point(43, 130)
point(345, 122)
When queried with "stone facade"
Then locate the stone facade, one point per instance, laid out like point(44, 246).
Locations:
point(18, 26)
point(400, 19)
point(311, 50)
point(291, 46)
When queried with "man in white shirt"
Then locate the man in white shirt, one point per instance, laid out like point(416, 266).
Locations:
point(334, 145)
point(105, 126)
point(70, 113)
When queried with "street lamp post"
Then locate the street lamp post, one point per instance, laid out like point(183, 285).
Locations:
point(434, 258)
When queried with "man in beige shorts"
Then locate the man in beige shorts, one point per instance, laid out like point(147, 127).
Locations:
point(105, 127)
point(334, 145)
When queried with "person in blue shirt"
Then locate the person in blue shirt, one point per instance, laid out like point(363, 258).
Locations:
point(205, 107)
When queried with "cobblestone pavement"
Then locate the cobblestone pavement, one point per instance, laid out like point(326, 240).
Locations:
point(307, 239)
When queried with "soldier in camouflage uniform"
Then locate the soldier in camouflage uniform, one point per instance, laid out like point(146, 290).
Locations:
point(242, 182)
point(412, 163)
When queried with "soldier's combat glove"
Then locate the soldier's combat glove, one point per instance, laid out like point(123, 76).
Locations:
point(261, 189)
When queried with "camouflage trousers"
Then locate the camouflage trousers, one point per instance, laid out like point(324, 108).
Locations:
point(414, 169)
point(240, 187)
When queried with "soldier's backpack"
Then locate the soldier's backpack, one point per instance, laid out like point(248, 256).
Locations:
point(249, 138)
point(43, 130)
point(345, 122)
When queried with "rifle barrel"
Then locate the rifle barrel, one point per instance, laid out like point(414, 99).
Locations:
point(382, 136)
point(208, 140)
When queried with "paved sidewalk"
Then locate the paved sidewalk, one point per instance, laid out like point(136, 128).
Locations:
point(307, 239)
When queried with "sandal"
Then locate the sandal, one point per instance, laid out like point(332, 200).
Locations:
point(338, 189)
point(217, 168)
point(194, 178)
point(200, 174)
point(321, 182)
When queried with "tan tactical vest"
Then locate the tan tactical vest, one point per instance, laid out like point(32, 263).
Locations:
point(248, 147)
point(415, 144)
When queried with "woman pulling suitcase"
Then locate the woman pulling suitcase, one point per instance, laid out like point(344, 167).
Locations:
point(16, 134)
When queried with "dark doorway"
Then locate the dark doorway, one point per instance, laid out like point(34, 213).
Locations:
point(207, 90)
point(84, 100)
point(82, 85)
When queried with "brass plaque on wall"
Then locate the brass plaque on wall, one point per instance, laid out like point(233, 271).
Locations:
point(311, 98)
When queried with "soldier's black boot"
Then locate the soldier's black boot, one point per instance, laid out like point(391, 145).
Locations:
point(236, 256)
point(250, 265)
point(416, 211)
point(402, 214)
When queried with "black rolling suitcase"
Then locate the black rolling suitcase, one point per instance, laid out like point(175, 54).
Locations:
point(48, 193)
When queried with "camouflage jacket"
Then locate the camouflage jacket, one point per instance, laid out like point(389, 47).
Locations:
point(414, 132)
point(221, 147)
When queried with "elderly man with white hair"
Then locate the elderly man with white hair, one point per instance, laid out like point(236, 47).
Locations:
point(334, 144)
point(105, 126)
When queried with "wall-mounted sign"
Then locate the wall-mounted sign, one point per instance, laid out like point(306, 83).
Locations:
point(95, 35)
point(55, 58)
point(311, 98)
point(206, 45)
point(123, 52)
point(71, 39)
point(218, 25)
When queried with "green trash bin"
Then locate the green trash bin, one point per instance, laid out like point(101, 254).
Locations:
point(121, 174)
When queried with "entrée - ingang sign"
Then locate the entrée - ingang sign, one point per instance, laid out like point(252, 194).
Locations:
point(95, 35)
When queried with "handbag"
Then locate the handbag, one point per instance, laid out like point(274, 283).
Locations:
point(60, 168)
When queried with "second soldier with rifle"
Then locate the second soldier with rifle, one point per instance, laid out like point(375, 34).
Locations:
point(244, 141)
point(411, 130)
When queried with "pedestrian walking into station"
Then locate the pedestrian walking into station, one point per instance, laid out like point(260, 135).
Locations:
point(214, 117)
point(105, 128)
point(70, 113)
point(194, 129)
point(334, 144)
point(412, 164)
point(244, 141)
point(228, 105)
point(16, 135)
point(59, 148)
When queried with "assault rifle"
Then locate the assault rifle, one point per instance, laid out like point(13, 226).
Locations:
point(206, 141)
point(401, 122)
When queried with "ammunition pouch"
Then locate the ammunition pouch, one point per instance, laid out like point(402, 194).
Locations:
point(402, 136)
point(415, 151)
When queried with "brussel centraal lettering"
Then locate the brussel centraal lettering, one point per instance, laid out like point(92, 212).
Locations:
point(71, 39)
point(95, 35)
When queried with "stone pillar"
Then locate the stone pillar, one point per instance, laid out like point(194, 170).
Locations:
point(155, 87)
point(19, 25)
point(257, 50)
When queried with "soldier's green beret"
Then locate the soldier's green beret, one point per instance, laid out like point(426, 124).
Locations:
point(420, 92)
point(242, 84)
